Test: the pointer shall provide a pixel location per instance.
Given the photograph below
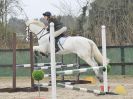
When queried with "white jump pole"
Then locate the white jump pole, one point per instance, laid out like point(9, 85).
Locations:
point(53, 63)
point(105, 81)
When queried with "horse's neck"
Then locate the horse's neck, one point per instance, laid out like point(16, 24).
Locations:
point(37, 30)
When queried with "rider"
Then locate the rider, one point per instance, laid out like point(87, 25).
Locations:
point(58, 26)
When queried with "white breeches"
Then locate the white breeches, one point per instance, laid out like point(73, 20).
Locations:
point(60, 31)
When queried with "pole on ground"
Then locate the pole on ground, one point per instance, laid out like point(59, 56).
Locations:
point(14, 60)
point(53, 63)
point(105, 82)
point(31, 58)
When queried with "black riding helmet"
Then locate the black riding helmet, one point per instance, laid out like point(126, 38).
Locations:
point(47, 14)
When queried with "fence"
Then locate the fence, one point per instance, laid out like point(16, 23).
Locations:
point(120, 57)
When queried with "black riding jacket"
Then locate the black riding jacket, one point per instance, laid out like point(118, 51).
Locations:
point(57, 24)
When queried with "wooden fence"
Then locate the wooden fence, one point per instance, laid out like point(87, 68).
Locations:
point(122, 52)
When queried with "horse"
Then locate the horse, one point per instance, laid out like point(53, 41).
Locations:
point(85, 48)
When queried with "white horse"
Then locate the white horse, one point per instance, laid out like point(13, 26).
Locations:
point(85, 48)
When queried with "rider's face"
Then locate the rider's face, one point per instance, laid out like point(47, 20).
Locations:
point(46, 17)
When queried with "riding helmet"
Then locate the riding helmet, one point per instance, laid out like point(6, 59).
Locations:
point(47, 14)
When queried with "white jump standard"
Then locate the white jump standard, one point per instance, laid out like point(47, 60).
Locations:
point(105, 79)
point(78, 88)
point(53, 61)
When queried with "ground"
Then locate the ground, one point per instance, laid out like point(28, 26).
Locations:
point(126, 81)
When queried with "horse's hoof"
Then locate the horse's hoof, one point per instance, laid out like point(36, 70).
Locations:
point(100, 79)
point(43, 54)
point(36, 53)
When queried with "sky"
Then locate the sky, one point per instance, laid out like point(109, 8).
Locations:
point(35, 8)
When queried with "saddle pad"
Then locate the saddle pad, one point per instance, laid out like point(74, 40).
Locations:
point(62, 41)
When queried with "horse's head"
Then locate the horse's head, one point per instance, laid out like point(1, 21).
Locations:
point(34, 26)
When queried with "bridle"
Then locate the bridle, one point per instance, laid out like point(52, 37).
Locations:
point(35, 35)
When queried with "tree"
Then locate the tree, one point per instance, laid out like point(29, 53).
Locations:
point(8, 8)
point(82, 19)
point(16, 25)
point(116, 15)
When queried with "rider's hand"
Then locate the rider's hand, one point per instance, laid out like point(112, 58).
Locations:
point(46, 27)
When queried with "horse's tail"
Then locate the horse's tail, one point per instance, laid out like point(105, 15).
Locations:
point(97, 54)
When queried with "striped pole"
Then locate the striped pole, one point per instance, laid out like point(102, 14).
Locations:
point(62, 85)
point(53, 63)
point(57, 66)
point(37, 64)
point(71, 87)
point(74, 71)
point(77, 88)
point(105, 81)
point(42, 85)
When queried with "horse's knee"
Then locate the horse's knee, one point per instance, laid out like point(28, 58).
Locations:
point(36, 48)
point(36, 53)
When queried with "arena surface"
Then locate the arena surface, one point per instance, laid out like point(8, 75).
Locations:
point(126, 81)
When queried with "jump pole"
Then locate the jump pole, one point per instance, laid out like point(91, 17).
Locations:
point(53, 63)
point(105, 81)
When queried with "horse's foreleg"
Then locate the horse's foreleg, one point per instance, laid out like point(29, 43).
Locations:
point(39, 49)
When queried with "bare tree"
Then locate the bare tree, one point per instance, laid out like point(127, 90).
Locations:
point(7, 8)
point(72, 7)
point(65, 7)
point(118, 18)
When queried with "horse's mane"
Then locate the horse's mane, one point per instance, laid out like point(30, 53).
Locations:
point(39, 23)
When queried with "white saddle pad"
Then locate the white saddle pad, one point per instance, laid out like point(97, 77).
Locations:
point(61, 41)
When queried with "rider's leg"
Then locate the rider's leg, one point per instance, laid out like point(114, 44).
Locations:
point(60, 31)
point(56, 44)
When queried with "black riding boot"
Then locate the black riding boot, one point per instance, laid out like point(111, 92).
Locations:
point(56, 45)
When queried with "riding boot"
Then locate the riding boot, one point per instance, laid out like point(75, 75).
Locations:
point(56, 42)
point(56, 47)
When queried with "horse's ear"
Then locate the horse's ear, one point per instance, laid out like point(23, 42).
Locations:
point(27, 22)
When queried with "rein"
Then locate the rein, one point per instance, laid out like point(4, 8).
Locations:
point(37, 33)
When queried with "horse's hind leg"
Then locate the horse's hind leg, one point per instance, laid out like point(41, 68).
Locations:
point(98, 72)
point(92, 63)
